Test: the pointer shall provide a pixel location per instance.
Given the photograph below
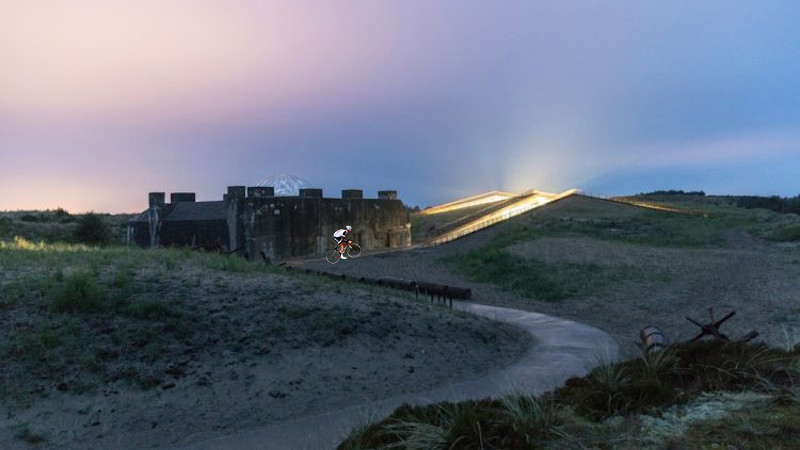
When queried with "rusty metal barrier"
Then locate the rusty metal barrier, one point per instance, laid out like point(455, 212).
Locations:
point(436, 291)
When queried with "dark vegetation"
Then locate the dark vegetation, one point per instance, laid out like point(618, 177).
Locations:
point(58, 225)
point(789, 205)
point(573, 416)
point(93, 230)
point(673, 192)
point(783, 205)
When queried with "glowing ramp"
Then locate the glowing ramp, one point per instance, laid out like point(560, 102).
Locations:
point(475, 200)
point(528, 201)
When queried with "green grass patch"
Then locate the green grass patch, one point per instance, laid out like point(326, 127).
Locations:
point(531, 277)
point(527, 277)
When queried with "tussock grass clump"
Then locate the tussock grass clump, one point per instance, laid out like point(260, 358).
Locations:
point(443, 426)
point(524, 420)
point(79, 293)
point(518, 422)
point(677, 375)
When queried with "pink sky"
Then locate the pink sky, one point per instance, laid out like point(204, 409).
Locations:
point(101, 102)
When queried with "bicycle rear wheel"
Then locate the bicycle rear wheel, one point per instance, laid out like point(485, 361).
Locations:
point(333, 256)
point(354, 250)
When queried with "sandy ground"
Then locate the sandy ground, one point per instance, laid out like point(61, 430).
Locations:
point(380, 346)
point(756, 278)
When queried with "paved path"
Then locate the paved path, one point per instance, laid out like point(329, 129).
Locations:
point(562, 349)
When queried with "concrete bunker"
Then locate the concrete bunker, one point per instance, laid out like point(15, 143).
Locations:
point(252, 220)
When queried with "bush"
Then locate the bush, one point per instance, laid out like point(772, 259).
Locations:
point(79, 293)
point(92, 230)
point(786, 234)
point(62, 216)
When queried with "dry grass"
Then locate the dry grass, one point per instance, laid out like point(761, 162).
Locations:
point(681, 398)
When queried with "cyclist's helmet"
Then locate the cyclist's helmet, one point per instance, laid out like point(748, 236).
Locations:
point(349, 228)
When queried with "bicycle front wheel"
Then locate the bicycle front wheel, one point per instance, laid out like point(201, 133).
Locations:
point(354, 250)
point(333, 256)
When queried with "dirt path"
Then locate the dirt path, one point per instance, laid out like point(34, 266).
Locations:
point(563, 349)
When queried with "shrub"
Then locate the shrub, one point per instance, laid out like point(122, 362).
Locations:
point(92, 230)
point(5, 226)
point(61, 215)
point(79, 293)
point(786, 234)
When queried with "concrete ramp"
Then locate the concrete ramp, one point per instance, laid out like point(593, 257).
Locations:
point(522, 203)
point(499, 210)
point(475, 200)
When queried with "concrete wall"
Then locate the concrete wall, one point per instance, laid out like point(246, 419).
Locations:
point(157, 232)
point(209, 234)
point(303, 226)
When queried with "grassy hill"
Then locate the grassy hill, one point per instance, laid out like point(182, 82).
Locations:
point(619, 267)
point(119, 336)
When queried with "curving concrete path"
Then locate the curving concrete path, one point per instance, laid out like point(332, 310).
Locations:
point(562, 349)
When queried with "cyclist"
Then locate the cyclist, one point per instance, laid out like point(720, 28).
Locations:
point(341, 237)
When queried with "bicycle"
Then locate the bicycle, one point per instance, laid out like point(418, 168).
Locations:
point(353, 251)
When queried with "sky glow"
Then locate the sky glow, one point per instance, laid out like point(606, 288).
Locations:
point(101, 102)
